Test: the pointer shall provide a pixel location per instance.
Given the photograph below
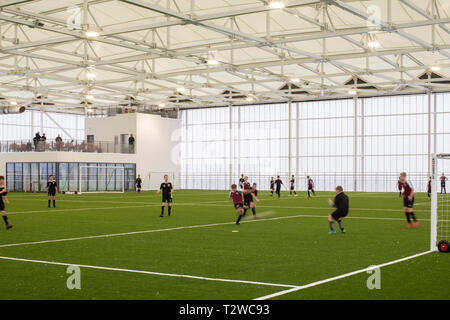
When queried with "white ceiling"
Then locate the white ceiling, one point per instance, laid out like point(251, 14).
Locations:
point(148, 48)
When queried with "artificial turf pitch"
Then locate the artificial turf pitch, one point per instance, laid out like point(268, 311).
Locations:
point(132, 253)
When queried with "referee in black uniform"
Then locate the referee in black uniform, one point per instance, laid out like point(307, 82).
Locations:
point(341, 203)
point(167, 189)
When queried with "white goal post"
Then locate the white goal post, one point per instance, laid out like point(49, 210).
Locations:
point(101, 179)
point(440, 202)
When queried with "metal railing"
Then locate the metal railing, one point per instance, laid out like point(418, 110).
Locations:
point(65, 146)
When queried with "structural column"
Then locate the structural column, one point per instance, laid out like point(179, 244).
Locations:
point(230, 143)
point(429, 133)
point(355, 144)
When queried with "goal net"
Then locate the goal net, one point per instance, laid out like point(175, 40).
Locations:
point(440, 200)
point(101, 179)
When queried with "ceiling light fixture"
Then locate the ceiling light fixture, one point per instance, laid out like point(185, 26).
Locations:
point(89, 96)
point(295, 80)
point(212, 62)
point(373, 44)
point(180, 89)
point(161, 105)
point(276, 5)
point(92, 34)
point(435, 68)
point(13, 102)
point(91, 75)
point(352, 92)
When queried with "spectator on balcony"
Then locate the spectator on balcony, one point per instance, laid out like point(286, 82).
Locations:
point(83, 146)
point(36, 140)
point(43, 142)
point(131, 141)
point(58, 141)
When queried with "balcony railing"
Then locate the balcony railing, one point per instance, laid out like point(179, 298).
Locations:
point(65, 146)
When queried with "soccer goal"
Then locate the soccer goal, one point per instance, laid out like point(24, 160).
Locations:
point(153, 180)
point(440, 203)
point(101, 179)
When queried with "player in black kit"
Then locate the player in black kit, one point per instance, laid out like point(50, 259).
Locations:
point(3, 193)
point(241, 182)
point(292, 182)
point(52, 191)
point(278, 184)
point(272, 186)
point(167, 189)
point(341, 204)
point(139, 183)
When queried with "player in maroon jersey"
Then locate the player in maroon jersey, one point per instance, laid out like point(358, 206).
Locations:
point(444, 179)
point(236, 197)
point(429, 188)
point(408, 201)
point(249, 196)
point(399, 187)
point(310, 186)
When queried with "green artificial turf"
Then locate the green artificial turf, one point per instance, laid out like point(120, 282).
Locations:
point(288, 245)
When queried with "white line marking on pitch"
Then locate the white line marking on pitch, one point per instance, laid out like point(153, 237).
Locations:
point(150, 272)
point(317, 283)
point(182, 228)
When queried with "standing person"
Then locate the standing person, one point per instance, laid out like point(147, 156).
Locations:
point(139, 183)
point(131, 141)
point(399, 187)
point(167, 190)
point(3, 196)
point(278, 184)
point(36, 140)
point(408, 201)
point(43, 142)
point(429, 188)
point(272, 186)
point(341, 203)
point(444, 179)
point(241, 182)
point(236, 197)
point(58, 141)
point(52, 191)
point(292, 182)
point(255, 199)
point(310, 186)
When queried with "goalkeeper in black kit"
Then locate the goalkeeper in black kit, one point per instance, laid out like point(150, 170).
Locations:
point(341, 203)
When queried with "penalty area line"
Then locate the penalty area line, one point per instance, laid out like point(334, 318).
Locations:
point(346, 275)
point(149, 272)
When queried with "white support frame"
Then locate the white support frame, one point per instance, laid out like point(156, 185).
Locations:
point(80, 168)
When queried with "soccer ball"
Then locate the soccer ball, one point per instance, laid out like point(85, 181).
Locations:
point(443, 246)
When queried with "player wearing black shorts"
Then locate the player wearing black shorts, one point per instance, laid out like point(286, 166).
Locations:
point(3, 197)
point(429, 188)
point(248, 199)
point(278, 184)
point(241, 182)
point(52, 191)
point(310, 186)
point(444, 179)
point(139, 183)
point(272, 186)
point(341, 203)
point(167, 190)
point(236, 197)
point(292, 186)
point(408, 201)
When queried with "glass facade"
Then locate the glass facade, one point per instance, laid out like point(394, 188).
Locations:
point(33, 176)
point(24, 126)
point(362, 144)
